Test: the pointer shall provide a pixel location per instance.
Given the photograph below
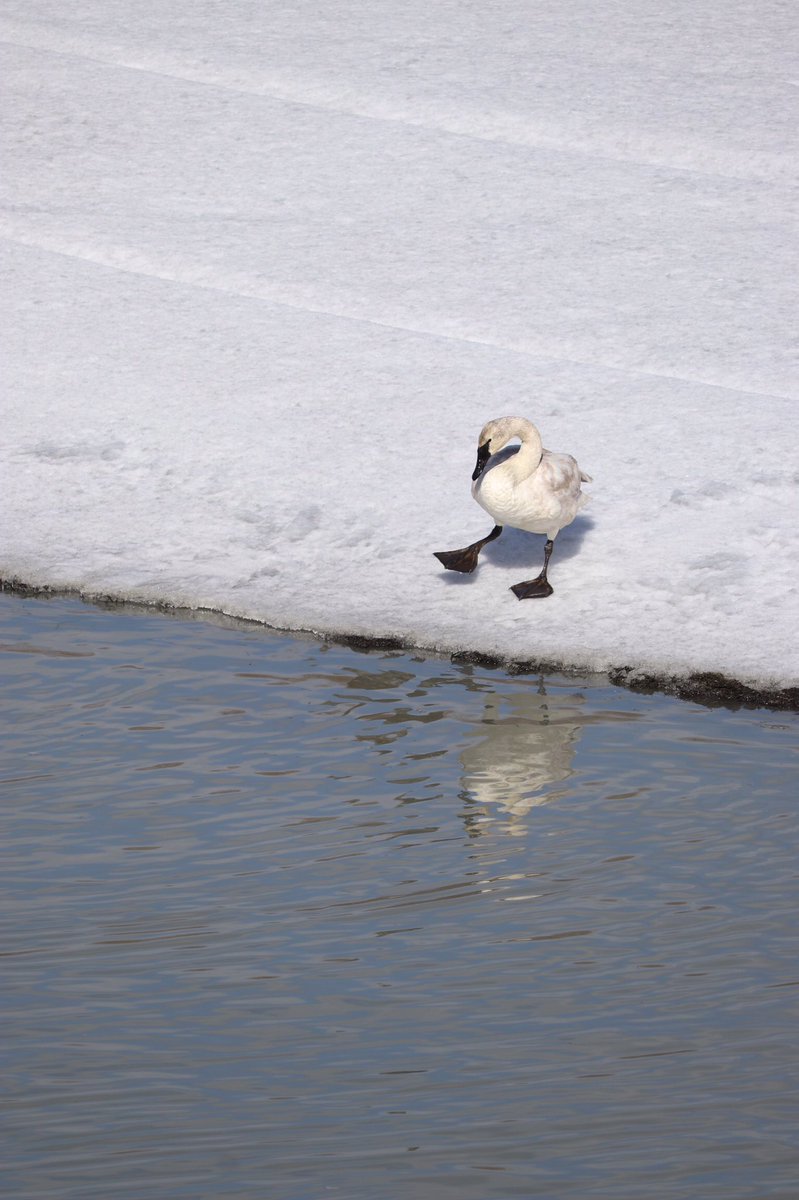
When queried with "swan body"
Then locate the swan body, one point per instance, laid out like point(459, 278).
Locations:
point(524, 486)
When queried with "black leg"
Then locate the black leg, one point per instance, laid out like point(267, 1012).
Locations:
point(465, 560)
point(536, 588)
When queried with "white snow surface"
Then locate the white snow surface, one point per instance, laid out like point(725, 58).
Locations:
point(269, 267)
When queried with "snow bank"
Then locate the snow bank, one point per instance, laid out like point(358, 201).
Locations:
point(268, 269)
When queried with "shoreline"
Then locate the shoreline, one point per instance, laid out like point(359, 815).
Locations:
point(710, 688)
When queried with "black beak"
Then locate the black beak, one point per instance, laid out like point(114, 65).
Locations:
point(483, 455)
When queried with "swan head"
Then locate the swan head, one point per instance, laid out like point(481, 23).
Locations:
point(497, 433)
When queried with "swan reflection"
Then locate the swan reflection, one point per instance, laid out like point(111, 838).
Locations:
point(521, 750)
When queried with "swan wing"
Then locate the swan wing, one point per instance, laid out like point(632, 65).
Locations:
point(560, 474)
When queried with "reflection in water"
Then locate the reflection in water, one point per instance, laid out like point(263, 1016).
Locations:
point(523, 746)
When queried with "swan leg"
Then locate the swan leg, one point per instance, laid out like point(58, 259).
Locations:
point(536, 588)
point(465, 560)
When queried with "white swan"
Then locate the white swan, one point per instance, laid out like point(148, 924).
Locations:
point(526, 487)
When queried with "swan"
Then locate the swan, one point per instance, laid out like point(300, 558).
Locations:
point(526, 487)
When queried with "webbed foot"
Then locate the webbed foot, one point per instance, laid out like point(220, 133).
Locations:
point(464, 561)
point(533, 589)
point(538, 588)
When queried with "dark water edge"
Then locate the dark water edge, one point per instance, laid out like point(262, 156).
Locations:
point(713, 689)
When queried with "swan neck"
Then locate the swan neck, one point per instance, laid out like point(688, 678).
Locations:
point(530, 450)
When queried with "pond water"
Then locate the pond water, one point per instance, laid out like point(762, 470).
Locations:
point(284, 920)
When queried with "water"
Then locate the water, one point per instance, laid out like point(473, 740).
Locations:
point(282, 920)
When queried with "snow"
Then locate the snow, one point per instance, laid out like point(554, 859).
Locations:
point(268, 269)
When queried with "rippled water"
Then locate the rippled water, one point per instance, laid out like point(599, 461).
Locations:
point(282, 920)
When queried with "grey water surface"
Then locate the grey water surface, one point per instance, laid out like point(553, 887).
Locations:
point(283, 920)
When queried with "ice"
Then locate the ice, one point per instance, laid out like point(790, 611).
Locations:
point(269, 268)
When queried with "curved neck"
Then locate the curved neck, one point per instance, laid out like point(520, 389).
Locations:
point(529, 454)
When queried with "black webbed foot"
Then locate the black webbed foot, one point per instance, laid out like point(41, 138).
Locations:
point(464, 561)
point(540, 587)
point(533, 589)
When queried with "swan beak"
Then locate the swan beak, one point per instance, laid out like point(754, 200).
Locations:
point(483, 455)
